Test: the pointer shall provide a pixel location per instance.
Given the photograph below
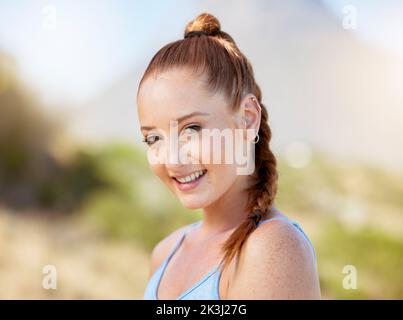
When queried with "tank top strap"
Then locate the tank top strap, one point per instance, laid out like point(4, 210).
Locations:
point(273, 219)
point(180, 240)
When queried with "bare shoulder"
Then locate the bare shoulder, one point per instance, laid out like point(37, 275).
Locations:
point(276, 262)
point(163, 247)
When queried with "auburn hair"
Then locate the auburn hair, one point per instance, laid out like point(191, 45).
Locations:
point(209, 51)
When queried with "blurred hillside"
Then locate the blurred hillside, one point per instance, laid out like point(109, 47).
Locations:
point(30, 173)
point(88, 265)
point(102, 251)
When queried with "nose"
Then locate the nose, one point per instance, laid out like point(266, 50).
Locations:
point(180, 153)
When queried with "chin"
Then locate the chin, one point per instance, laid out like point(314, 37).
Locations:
point(194, 203)
point(192, 207)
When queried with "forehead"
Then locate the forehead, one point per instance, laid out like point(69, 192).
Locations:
point(173, 94)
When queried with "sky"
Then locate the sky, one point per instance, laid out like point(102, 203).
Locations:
point(378, 22)
point(72, 50)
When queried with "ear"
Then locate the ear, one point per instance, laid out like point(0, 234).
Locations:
point(250, 113)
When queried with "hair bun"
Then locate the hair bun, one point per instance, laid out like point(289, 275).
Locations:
point(204, 24)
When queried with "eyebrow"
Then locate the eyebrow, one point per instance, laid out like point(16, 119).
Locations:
point(180, 119)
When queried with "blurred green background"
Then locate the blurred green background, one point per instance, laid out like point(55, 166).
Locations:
point(82, 198)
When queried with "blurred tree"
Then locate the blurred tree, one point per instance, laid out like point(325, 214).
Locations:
point(30, 176)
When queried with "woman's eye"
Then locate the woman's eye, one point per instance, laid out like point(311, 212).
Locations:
point(195, 128)
point(149, 140)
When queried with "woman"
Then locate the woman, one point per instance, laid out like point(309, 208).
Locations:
point(243, 248)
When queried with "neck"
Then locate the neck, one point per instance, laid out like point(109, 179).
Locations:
point(228, 212)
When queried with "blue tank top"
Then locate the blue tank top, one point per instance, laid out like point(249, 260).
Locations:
point(207, 288)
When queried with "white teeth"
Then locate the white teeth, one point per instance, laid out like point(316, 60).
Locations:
point(191, 177)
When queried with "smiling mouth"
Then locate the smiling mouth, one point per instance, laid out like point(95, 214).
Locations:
point(195, 176)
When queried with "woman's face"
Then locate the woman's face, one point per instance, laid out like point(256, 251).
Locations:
point(175, 95)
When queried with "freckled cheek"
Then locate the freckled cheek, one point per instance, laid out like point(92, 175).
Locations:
point(202, 150)
point(156, 154)
point(215, 153)
point(155, 161)
point(191, 151)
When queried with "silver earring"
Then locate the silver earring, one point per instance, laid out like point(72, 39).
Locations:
point(256, 140)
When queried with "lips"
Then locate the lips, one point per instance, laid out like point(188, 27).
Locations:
point(193, 176)
point(186, 186)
